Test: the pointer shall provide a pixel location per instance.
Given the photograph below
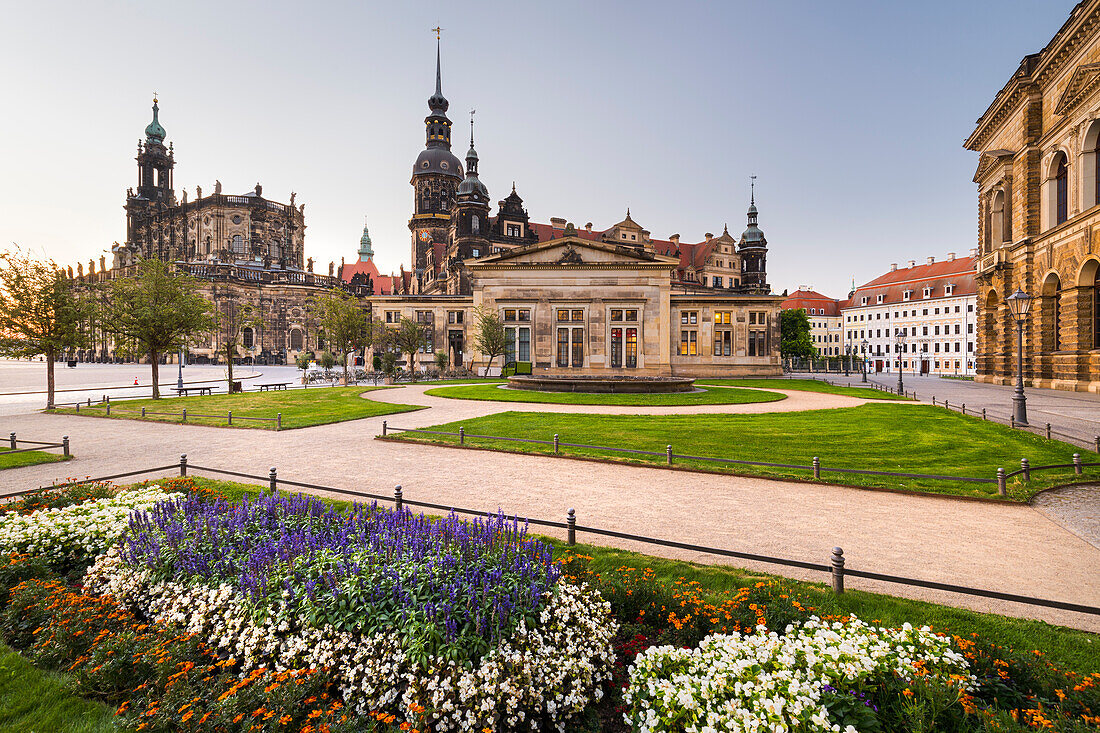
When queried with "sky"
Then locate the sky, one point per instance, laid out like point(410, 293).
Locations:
point(852, 116)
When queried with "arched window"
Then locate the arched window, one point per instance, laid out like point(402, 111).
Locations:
point(1052, 313)
point(321, 340)
point(1061, 190)
point(238, 244)
point(475, 224)
point(248, 338)
point(998, 223)
point(295, 339)
point(1090, 170)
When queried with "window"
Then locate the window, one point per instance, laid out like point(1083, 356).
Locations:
point(476, 252)
point(423, 316)
point(247, 338)
point(1061, 190)
point(864, 301)
point(723, 317)
point(517, 338)
point(689, 318)
point(927, 292)
point(455, 316)
point(906, 294)
point(393, 316)
point(238, 244)
point(515, 230)
point(716, 282)
point(758, 343)
point(295, 339)
point(937, 311)
point(757, 318)
point(937, 330)
point(948, 289)
point(880, 297)
point(688, 343)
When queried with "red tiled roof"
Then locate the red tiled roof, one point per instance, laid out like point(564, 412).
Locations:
point(808, 299)
point(383, 284)
point(892, 286)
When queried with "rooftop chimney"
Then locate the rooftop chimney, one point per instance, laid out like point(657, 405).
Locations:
point(973, 251)
point(588, 227)
point(893, 267)
point(709, 236)
point(675, 239)
point(912, 263)
point(950, 256)
point(557, 222)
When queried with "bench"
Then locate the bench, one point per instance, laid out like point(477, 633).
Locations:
point(183, 391)
point(272, 386)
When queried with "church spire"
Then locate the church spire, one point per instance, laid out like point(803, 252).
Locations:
point(154, 131)
point(365, 250)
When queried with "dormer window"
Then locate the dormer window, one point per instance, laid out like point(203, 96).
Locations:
point(948, 289)
point(880, 298)
point(515, 230)
point(864, 300)
point(907, 295)
point(927, 292)
point(633, 237)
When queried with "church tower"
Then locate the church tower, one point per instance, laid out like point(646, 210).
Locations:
point(470, 226)
point(435, 176)
point(154, 190)
point(753, 249)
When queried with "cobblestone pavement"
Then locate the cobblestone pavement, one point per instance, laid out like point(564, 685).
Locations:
point(1077, 508)
point(1005, 547)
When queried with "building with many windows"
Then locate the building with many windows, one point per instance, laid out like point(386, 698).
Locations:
point(932, 305)
point(1038, 180)
point(826, 328)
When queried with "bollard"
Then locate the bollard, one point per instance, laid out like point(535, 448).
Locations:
point(65, 445)
point(1048, 431)
point(398, 498)
point(1001, 482)
point(837, 561)
point(78, 408)
point(183, 465)
point(184, 419)
point(556, 444)
point(571, 526)
point(1012, 421)
point(1025, 467)
point(383, 428)
point(933, 400)
point(461, 435)
point(273, 479)
point(964, 408)
point(89, 402)
point(143, 412)
point(817, 467)
point(11, 437)
point(278, 421)
point(668, 454)
point(108, 409)
point(947, 405)
point(983, 414)
point(229, 417)
point(1077, 463)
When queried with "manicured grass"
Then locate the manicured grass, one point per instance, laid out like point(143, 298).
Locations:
point(803, 385)
point(35, 701)
point(29, 458)
point(1069, 648)
point(907, 438)
point(707, 397)
point(300, 408)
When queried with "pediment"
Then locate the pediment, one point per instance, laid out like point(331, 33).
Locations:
point(1084, 81)
point(990, 160)
point(573, 251)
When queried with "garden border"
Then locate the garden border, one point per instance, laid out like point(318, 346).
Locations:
point(836, 567)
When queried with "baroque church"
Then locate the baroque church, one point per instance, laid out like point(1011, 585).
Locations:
point(571, 297)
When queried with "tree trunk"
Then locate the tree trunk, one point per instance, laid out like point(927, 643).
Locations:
point(155, 364)
point(49, 379)
point(229, 366)
point(346, 369)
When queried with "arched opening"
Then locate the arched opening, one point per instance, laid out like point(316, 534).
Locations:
point(1088, 304)
point(1051, 313)
point(1061, 189)
point(248, 338)
point(321, 339)
point(295, 339)
point(238, 244)
point(1090, 171)
point(999, 226)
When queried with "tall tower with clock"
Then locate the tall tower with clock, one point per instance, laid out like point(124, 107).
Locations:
point(435, 177)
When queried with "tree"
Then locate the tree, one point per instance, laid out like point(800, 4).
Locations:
point(154, 312)
point(346, 323)
point(40, 312)
point(794, 330)
point(409, 338)
point(491, 339)
point(442, 360)
point(302, 361)
point(233, 319)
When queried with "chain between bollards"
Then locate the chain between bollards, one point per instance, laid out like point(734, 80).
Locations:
point(571, 526)
point(837, 563)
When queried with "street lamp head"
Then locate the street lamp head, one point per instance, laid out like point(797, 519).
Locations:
point(864, 344)
point(1019, 303)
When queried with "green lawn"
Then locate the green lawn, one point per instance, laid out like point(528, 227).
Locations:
point(35, 701)
point(300, 408)
point(30, 458)
point(909, 438)
point(802, 385)
point(1070, 648)
point(707, 397)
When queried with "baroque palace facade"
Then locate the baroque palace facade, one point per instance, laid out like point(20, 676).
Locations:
point(1038, 180)
point(577, 299)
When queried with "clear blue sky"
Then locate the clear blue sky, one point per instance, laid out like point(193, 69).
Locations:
point(851, 114)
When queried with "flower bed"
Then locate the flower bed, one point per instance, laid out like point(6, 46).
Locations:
point(462, 618)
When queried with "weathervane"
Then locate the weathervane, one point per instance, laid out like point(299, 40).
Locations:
point(436, 30)
point(752, 189)
point(472, 113)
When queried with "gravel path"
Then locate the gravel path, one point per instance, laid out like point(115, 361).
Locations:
point(1010, 548)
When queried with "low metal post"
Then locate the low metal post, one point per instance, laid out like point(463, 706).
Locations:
point(11, 438)
point(229, 417)
point(184, 415)
point(398, 498)
point(668, 454)
point(557, 444)
point(1048, 431)
point(817, 467)
point(1098, 444)
point(65, 445)
point(837, 562)
point(89, 402)
point(278, 421)
point(183, 464)
point(964, 408)
point(1077, 463)
point(571, 526)
point(983, 414)
point(933, 400)
point(273, 479)
point(143, 412)
point(1012, 420)
point(1001, 489)
point(461, 435)
point(1025, 466)
point(108, 409)
point(78, 408)
point(383, 428)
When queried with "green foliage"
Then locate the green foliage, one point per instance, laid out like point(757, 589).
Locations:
point(803, 385)
point(388, 362)
point(490, 339)
point(303, 360)
point(154, 312)
point(232, 319)
point(409, 337)
point(442, 360)
point(58, 497)
point(27, 458)
point(34, 701)
point(794, 329)
point(346, 322)
point(326, 360)
point(40, 312)
point(717, 396)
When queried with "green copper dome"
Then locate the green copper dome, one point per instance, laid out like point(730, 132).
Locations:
point(154, 132)
point(365, 251)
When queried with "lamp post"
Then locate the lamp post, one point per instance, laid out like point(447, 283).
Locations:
point(179, 377)
point(847, 358)
point(864, 361)
point(1019, 303)
point(899, 342)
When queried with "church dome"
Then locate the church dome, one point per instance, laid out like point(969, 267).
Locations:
point(154, 131)
point(473, 185)
point(439, 161)
point(753, 235)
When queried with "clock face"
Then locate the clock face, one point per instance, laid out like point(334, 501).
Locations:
point(425, 235)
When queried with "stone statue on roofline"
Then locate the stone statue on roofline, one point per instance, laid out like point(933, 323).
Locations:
point(217, 187)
